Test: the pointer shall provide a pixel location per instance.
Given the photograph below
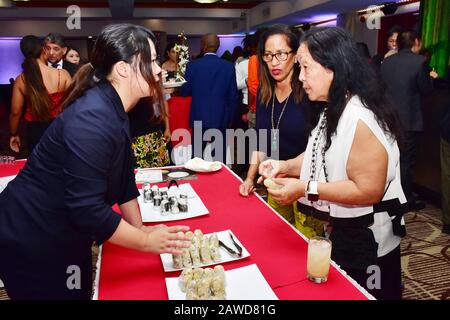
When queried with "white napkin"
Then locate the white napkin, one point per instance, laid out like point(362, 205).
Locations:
point(200, 165)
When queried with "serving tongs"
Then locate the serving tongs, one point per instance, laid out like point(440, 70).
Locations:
point(238, 247)
point(231, 251)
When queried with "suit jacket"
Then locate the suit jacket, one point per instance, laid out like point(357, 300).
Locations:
point(211, 82)
point(407, 78)
point(70, 67)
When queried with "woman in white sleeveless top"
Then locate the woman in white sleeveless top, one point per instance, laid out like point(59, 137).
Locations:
point(349, 172)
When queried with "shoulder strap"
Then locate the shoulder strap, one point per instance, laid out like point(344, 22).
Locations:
point(59, 78)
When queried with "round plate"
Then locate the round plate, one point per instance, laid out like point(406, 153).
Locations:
point(173, 84)
point(178, 174)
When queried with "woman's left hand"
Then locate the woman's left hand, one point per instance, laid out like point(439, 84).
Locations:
point(291, 191)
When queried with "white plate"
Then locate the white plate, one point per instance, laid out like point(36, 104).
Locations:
point(4, 182)
point(226, 256)
point(245, 283)
point(173, 84)
point(178, 174)
point(196, 207)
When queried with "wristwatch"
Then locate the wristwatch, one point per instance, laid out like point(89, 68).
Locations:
point(311, 192)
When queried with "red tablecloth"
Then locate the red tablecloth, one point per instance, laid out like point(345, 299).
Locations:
point(277, 249)
point(179, 108)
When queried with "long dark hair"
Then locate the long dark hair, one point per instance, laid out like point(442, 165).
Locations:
point(335, 49)
point(36, 91)
point(117, 42)
point(266, 81)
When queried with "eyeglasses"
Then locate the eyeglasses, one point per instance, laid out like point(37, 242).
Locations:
point(281, 56)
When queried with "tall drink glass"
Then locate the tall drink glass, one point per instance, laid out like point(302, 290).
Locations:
point(319, 255)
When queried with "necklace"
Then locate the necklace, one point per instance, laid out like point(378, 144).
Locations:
point(275, 129)
point(314, 173)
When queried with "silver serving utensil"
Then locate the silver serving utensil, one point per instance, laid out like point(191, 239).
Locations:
point(231, 251)
point(238, 247)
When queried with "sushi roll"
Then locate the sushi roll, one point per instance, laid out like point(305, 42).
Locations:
point(182, 205)
point(185, 279)
point(214, 240)
point(191, 290)
point(197, 273)
point(155, 191)
point(208, 272)
point(198, 233)
point(174, 207)
point(173, 201)
point(177, 260)
point(203, 288)
point(195, 256)
point(205, 253)
point(173, 191)
point(218, 288)
point(186, 256)
point(147, 192)
point(215, 254)
point(157, 200)
point(219, 271)
point(165, 207)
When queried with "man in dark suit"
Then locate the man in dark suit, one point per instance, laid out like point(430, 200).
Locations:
point(56, 49)
point(407, 77)
point(211, 82)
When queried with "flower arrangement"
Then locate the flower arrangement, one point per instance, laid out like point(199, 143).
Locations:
point(183, 56)
point(150, 150)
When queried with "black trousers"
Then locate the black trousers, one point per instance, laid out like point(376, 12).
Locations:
point(390, 277)
point(408, 155)
point(34, 131)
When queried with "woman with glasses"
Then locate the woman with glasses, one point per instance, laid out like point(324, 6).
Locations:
point(280, 108)
point(349, 174)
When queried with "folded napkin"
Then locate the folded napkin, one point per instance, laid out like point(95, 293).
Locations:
point(200, 165)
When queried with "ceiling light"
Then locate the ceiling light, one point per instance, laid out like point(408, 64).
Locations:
point(206, 1)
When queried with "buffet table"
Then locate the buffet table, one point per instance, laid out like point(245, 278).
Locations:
point(276, 247)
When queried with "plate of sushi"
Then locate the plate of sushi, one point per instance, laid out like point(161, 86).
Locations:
point(206, 250)
point(245, 283)
point(175, 202)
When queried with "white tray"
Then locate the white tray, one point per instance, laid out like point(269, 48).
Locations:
point(226, 256)
point(173, 84)
point(196, 207)
point(245, 283)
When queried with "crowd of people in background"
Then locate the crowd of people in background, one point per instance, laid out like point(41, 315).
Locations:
point(343, 124)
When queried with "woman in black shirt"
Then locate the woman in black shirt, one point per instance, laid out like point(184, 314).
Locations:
point(61, 200)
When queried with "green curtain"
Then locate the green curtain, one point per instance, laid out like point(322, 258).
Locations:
point(435, 25)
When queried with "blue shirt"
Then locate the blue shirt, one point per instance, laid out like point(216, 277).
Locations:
point(292, 137)
point(61, 200)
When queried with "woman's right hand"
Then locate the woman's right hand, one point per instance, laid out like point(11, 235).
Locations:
point(14, 143)
point(272, 168)
point(247, 187)
point(168, 240)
